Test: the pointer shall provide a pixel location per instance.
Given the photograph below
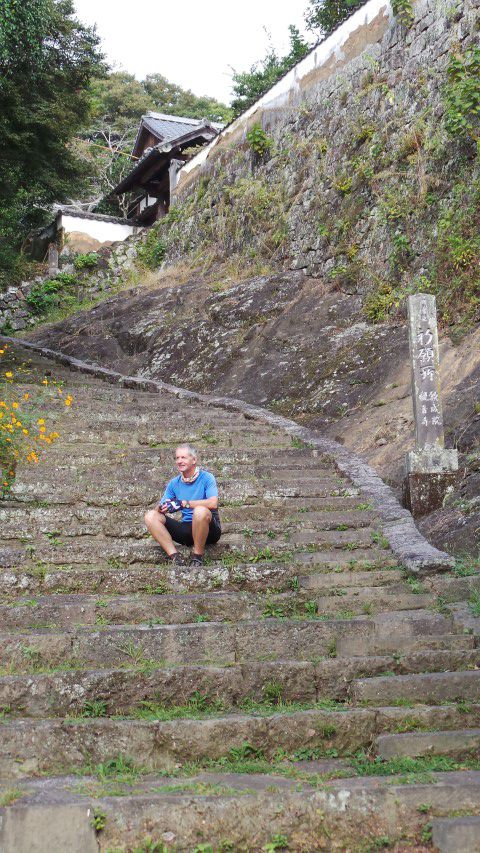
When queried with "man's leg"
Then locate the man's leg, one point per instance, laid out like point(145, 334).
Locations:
point(200, 524)
point(155, 522)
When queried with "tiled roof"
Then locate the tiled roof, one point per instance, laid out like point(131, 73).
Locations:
point(167, 127)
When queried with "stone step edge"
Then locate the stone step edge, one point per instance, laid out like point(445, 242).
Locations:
point(194, 816)
point(405, 540)
point(427, 742)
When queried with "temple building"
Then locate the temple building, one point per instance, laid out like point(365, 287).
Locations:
point(163, 144)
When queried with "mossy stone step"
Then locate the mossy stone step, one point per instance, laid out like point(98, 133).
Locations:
point(428, 687)
point(72, 610)
point(53, 745)
point(233, 809)
point(70, 685)
point(267, 639)
point(369, 599)
point(457, 743)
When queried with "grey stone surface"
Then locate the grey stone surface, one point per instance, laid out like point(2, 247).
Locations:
point(457, 835)
point(54, 828)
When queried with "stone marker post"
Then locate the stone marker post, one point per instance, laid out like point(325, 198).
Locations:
point(52, 259)
point(430, 469)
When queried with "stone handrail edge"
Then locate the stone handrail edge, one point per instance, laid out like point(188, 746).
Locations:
point(407, 543)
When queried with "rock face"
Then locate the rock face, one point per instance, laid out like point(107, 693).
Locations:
point(276, 695)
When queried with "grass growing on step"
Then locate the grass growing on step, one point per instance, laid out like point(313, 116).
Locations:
point(474, 602)
point(10, 796)
point(415, 586)
point(466, 566)
point(416, 768)
point(201, 706)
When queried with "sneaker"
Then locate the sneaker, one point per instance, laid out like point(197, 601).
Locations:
point(177, 559)
point(196, 560)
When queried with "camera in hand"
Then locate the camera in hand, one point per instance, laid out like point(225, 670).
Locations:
point(172, 506)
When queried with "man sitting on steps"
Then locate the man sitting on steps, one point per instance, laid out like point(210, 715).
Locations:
point(195, 492)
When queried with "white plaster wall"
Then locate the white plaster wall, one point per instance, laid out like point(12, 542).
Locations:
point(104, 232)
point(280, 94)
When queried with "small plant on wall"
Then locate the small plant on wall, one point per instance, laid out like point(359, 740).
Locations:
point(462, 95)
point(403, 11)
point(258, 140)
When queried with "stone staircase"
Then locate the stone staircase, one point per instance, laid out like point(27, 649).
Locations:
point(299, 691)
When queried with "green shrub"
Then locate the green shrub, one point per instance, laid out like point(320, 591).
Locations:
point(85, 261)
point(378, 304)
point(462, 94)
point(403, 10)
point(152, 252)
point(43, 296)
point(258, 140)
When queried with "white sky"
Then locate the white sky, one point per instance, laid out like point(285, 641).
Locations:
point(193, 44)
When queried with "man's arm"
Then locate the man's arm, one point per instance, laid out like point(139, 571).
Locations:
point(210, 503)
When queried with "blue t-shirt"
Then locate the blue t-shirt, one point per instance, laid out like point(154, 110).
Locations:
point(205, 486)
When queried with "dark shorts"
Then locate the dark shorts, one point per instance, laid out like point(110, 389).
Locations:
point(181, 531)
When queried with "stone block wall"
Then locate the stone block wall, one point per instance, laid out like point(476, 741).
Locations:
point(114, 265)
point(360, 169)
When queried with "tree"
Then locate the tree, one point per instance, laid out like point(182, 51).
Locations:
point(47, 58)
point(173, 100)
point(324, 16)
point(250, 85)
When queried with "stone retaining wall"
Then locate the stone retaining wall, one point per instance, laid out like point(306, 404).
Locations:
point(114, 263)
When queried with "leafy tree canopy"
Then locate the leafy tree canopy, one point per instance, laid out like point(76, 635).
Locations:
point(47, 58)
point(250, 85)
point(324, 16)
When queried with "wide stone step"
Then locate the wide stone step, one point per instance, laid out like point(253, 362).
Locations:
point(52, 745)
point(384, 630)
point(430, 688)
point(83, 520)
point(457, 834)
point(337, 582)
point(371, 599)
point(218, 809)
point(267, 639)
point(120, 573)
point(67, 688)
point(457, 743)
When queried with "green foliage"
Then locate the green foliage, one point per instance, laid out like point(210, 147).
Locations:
point(474, 602)
point(277, 842)
point(250, 85)
point(46, 61)
point(403, 10)
point(379, 302)
point(42, 296)
point(462, 94)
point(99, 820)
point(85, 261)
point(95, 708)
point(324, 16)
point(152, 251)
point(258, 140)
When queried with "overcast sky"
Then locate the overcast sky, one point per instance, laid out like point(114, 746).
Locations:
point(195, 44)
